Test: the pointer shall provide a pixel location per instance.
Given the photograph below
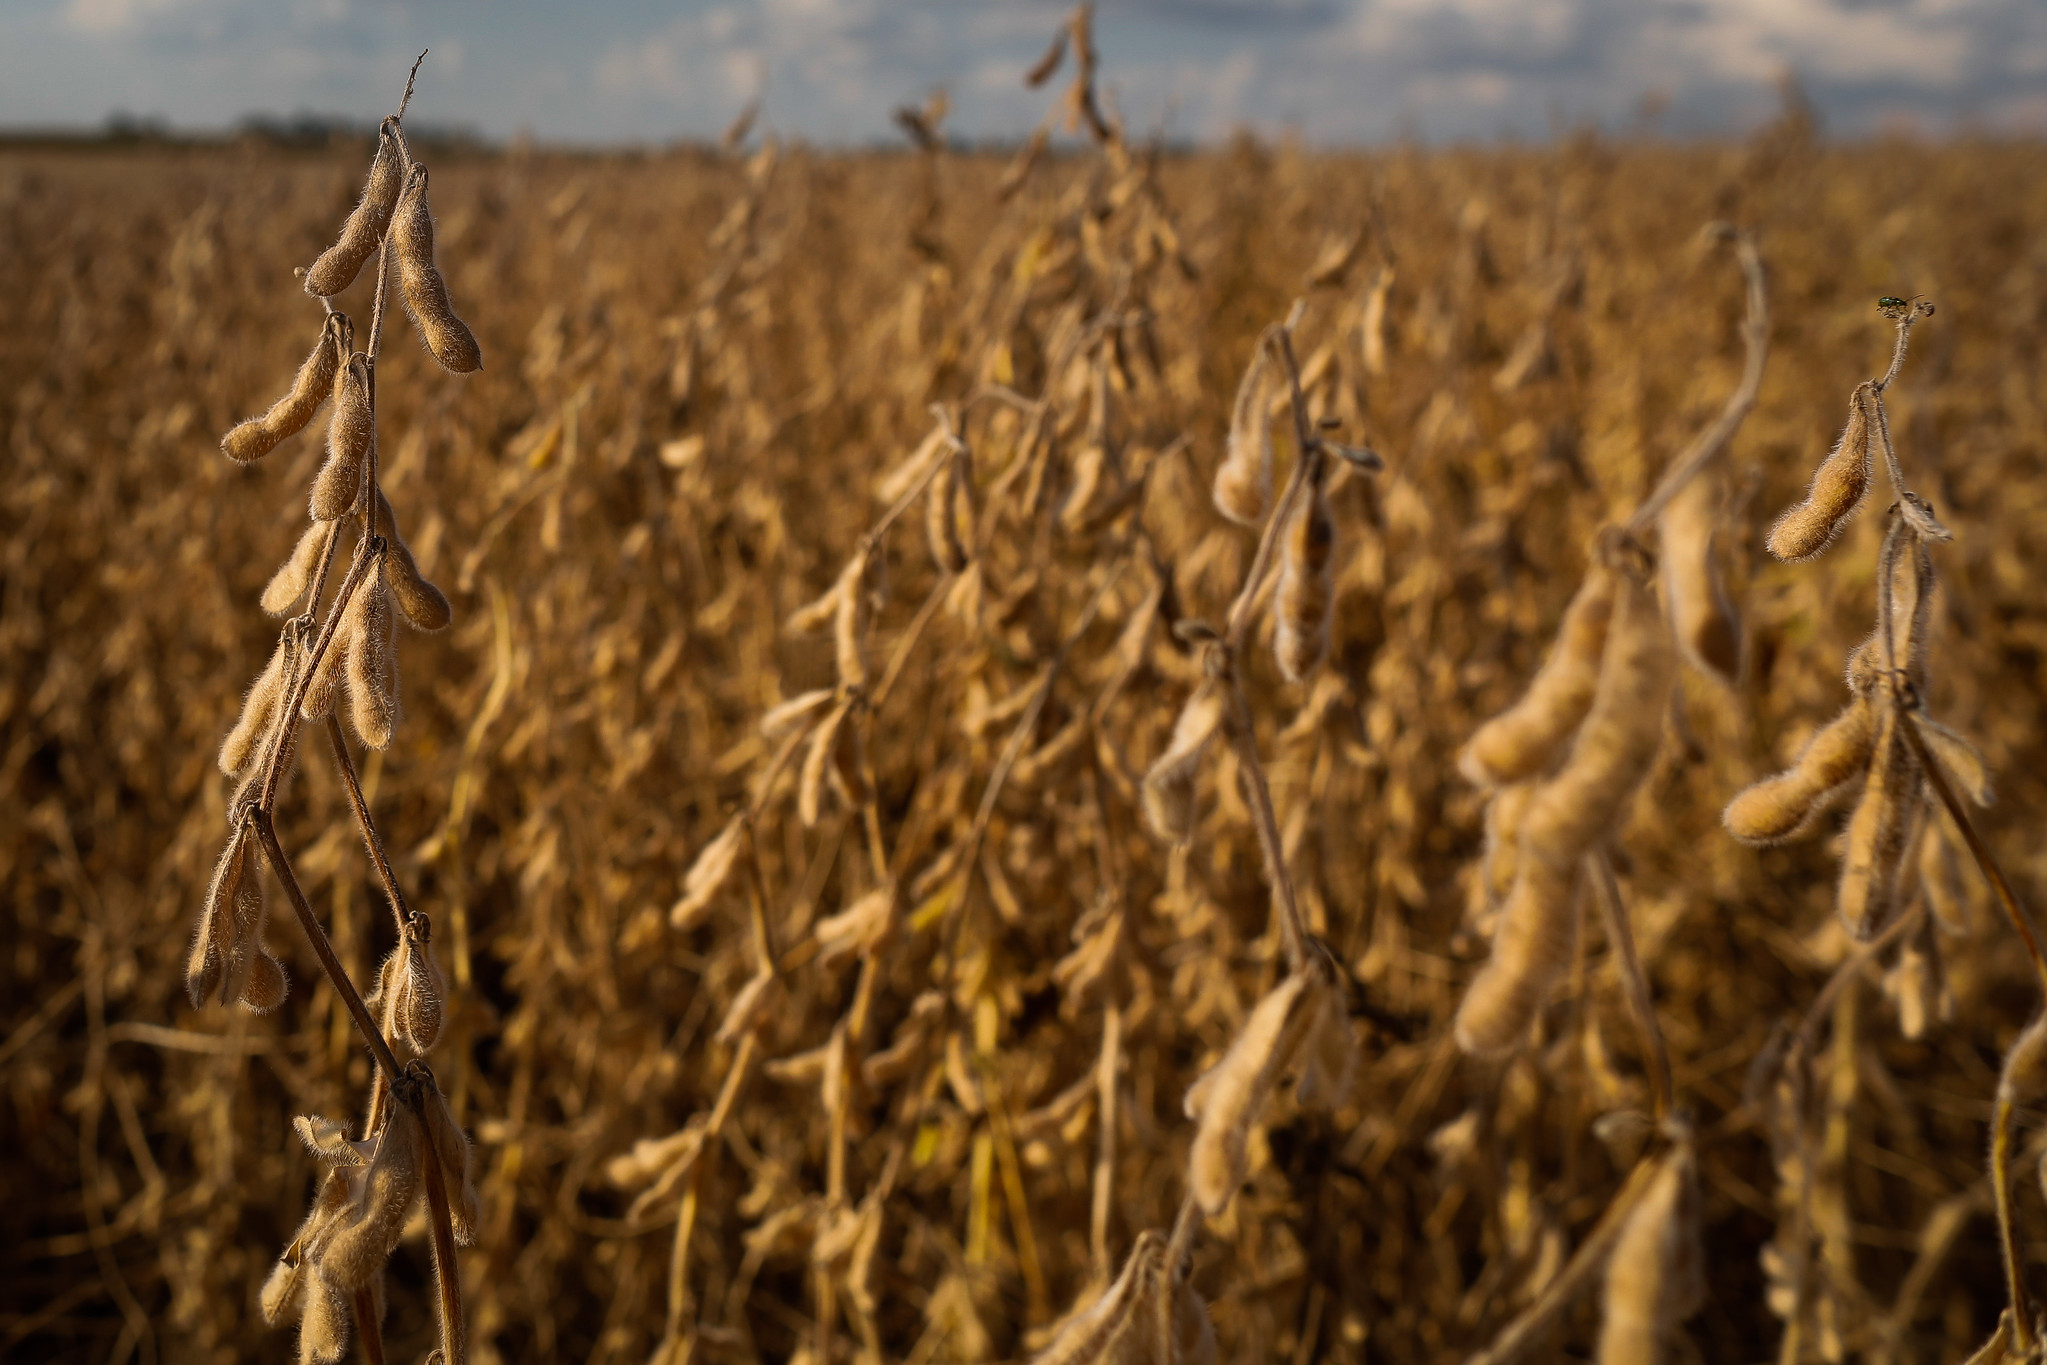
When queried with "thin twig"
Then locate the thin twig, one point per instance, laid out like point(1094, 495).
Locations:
point(1522, 1333)
point(368, 1326)
point(2005, 1200)
point(1755, 335)
point(273, 853)
point(1293, 932)
point(371, 839)
point(447, 1270)
point(288, 724)
point(1992, 873)
point(1633, 984)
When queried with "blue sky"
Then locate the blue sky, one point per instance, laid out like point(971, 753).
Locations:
point(1338, 70)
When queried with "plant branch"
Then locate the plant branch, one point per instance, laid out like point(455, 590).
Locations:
point(371, 840)
point(1521, 1334)
point(1293, 932)
point(1633, 984)
point(368, 1327)
point(447, 1271)
point(295, 698)
point(273, 853)
point(1992, 873)
point(1755, 335)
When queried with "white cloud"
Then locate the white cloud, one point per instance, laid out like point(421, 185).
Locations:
point(115, 16)
point(833, 69)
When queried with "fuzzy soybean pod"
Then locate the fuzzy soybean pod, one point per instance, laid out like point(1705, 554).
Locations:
point(1114, 1327)
point(1306, 587)
point(1521, 741)
point(318, 700)
point(1503, 815)
point(350, 432)
point(323, 1321)
point(944, 502)
point(1531, 949)
point(257, 437)
point(1655, 1277)
point(1148, 1316)
point(1958, 759)
point(1618, 741)
point(260, 708)
point(1566, 816)
point(1875, 846)
point(1785, 806)
point(1227, 1100)
point(1243, 481)
point(339, 264)
point(417, 986)
point(367, 1233)
point(230, 924)
point(419, 280)
point(424, 606)
point(1169, 786)
point(267, 984)
point(1836, 490)
point(295, 575)
point(370, 660)
point(1701, 613)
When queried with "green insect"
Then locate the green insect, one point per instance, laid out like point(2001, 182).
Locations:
point(1890, 301)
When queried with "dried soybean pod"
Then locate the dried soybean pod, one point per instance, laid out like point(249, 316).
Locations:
point(1521, 741)
point(1331, 1050)
point(371, 661)
point(1655, 1277)
point(1964, 767)
point(1836, 490)
point(1108, 1328)
point(290, 582)
point(708, 874)
point(319, 695)
point(817, 762)
point(267, 985)
point(941, 518)
point(1876, 834)
point(350, 432)
point(418, 988)
point(1531, 949)
point(419, 280)
point(424, 606)
point(1912, 585)
point(1227, 1100)
point(1701, 613)
point(257, 437)
point(245, 943)
point(1617, 742)
point(1503, 815)
point(846, 643)
point(1785, 806)
point(323, 1322)
point(1306, 586)
point(206, 969)
point(1169, 785)
point(368, 1232)
point(339, 264)
point(849, 766)
point(1243, 481)
point(260, 707)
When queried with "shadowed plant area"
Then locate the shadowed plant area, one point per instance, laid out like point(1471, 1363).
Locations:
point(1106, 755)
